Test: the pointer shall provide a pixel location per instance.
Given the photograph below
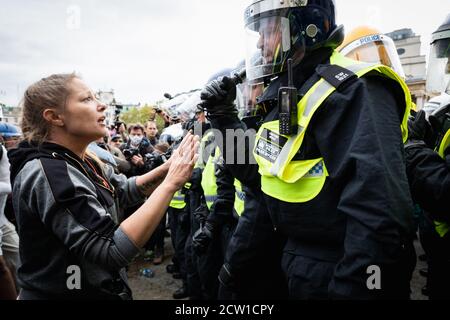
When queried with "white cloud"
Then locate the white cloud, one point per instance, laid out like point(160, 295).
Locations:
point(144, 48)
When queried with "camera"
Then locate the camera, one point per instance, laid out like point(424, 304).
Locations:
point(130, 153)
point(155, 159)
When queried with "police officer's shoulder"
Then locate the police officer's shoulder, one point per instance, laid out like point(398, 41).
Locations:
point(373, 83)
point(337, 76)
point(383, 86)
point(368, 92)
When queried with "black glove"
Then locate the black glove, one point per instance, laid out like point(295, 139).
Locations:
point(201, 213)
point(419, 131)
point(203, 238)
point(218, 97)
point(226, 277)
point(183, 218)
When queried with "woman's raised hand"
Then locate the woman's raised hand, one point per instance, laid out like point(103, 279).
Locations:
point(182, 163)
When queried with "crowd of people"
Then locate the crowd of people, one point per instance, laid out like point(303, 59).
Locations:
point(341, 174)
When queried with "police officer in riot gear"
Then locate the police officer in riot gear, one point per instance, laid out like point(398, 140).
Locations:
point(428, 164)
point(330, 167)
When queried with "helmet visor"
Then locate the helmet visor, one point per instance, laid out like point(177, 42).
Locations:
point(438, 79)
point(187, 110)
point(247, 98)
point(268, 42)
point(378, 49)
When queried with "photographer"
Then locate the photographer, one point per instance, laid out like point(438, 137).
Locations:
point(67, 202)
point(138, 151)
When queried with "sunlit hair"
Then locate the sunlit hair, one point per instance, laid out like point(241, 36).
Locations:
point(136, 126)
point(150, 122)
point(50, 92)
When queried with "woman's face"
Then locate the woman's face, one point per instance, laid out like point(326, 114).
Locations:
point(84, 116)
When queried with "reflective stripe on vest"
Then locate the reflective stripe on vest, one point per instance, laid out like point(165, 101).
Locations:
point(178, 201)
point(239, 198)
point(301, 181)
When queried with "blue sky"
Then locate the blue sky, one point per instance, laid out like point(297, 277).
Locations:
point(144, 48)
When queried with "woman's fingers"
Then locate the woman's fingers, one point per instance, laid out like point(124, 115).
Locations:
point(185, 140)
point(194, 160)
point(188, 150)
point(190, 154)
point(183, 160)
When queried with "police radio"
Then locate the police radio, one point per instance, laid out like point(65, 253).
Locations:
point(287, 105)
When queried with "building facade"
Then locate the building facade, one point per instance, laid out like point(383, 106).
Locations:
point(107, 97)
point(414, 64)
point(10, 114)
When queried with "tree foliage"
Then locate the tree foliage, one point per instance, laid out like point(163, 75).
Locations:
point(138, 115)
point(142, 115)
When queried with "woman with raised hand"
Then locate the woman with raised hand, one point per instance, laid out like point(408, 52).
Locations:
point(74, 244)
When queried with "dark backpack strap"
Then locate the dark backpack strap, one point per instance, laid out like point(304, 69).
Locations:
point(1, 151)
point(336, 75)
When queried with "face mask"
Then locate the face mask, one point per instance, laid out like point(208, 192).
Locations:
point(136, 140)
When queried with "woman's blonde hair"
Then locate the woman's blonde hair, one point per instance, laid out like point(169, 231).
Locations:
point(50, 92)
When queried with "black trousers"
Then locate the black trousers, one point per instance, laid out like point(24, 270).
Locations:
point(193, 281)
point(310, 278)
point(179, 225)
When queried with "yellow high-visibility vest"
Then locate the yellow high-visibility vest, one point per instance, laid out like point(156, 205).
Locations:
point(444, 144)
point(301, 181)
point(239, 198)
point(178, 201)
point(209, 185)
point(443, 228)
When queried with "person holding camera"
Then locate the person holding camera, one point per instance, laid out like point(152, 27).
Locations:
point(138, 151)
point(74, 244)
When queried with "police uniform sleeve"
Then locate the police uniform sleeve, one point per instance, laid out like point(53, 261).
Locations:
point(429, 178)
point(222, 208)
point(238, 149)
point(358, 133)
point(253, 234)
